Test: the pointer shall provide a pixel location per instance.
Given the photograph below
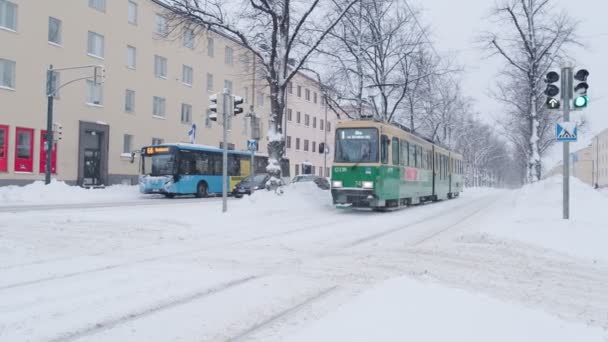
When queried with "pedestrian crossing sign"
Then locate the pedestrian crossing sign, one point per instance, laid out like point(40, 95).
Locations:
point(566, 131)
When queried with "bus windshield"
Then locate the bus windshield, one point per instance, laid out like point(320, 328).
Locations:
point(357, 145)
point(159, 164)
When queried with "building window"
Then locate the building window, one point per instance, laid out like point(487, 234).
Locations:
point(314, 122)
point(24, 158)
point(129, 101)
point(132, 12)
point(157, 141)
point(189, 38)
point(159, 107)
point(297, 143)
point(314, 146)
point(186, 113)
point(298, 117)
point(306, 119)
point(8, 15)
point(314, 97)
point(7, 73)
point(290, 87)
point(127, 143)
point(210, 47)
point(260, 99)
point(99, 5)
point(305, 144)
point(321, 124)
point(288, 142)
point(299, 91)
point(289, 115)
point(307, 94)
point(209, 82)
point(54, 31)
point(228, 85)
point(228, 55)
point(326, 172)
point(161, 26)
point(160, 67)
point(328, 126)
point(94, 93)
point(187, 75)
point(297, 169)
point(95, 44)
point(131, 57)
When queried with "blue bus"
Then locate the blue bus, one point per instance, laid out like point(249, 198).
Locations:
point(188, 169)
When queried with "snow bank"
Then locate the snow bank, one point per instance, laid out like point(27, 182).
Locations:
point(407, 310)
point(60, 192)
point(296, 197)
point(534, 215)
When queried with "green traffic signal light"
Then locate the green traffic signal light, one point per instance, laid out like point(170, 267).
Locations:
point(581, 101)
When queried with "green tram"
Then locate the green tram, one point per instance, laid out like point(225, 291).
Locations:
point(382, 166)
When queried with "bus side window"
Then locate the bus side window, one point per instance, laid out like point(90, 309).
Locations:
point(384, 149)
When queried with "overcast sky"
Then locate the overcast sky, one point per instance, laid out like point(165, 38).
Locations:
point(455, 25)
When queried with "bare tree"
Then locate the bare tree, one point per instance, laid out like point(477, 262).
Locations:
point(373, 55)
point(530, 39)
point(281, 34)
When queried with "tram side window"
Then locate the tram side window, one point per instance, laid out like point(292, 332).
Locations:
point(404, 153)
point(419, 157)
point(384, 149)
point(395, 151)
point(412, 159)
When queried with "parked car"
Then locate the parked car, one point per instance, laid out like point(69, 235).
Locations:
point(250, 184)
point(321, 182)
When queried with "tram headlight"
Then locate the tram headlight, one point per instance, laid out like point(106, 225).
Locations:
point(367, 185)
point(336, 184)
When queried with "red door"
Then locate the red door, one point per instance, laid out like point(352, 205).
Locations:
point(24, 150)
point(3, 148)
point(43, 154)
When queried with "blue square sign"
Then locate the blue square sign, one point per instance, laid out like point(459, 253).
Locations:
point(566, 131)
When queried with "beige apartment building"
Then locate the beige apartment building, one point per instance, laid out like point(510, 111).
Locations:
point(599, 155)
point(156, 87)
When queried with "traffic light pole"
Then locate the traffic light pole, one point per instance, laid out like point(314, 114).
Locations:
point(225, 103)
point(566, 97)
point(49, 125)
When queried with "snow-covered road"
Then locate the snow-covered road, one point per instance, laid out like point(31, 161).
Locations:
point(268, 269)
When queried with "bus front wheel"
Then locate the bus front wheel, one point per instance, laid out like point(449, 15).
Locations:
point(201, 190)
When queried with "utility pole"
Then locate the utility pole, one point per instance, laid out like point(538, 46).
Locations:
point(50, 91)
point(566, 96)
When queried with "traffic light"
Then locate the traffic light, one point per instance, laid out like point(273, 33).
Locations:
point(213, 107)
point(580, 86)
point(57, 131)
point(238, 101)
point(552, 91)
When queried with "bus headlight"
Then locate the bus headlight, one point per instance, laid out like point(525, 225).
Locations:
point(336, 184)
point(367, 185)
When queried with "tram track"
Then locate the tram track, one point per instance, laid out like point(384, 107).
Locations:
point(110, 323)
point(389, 231)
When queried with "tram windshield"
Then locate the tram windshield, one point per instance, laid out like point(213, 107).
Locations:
point(357, 145)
